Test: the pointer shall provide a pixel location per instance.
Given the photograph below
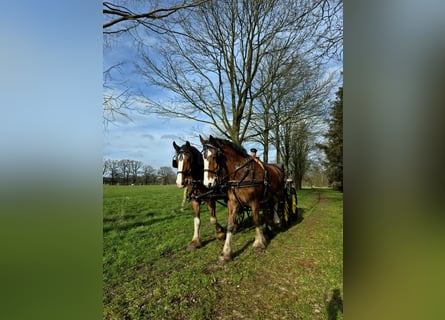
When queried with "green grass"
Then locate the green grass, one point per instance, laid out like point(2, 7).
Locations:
point(149, 274)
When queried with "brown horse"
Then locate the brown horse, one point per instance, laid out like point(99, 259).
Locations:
point(190, 165)
point(250, 183)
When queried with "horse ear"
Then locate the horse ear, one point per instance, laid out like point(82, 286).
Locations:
point(202, 140)
point(176, 146)
point(211, 139)
point(187, 143)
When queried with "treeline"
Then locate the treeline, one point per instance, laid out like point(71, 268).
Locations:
point(128, 172)
point(133, 172)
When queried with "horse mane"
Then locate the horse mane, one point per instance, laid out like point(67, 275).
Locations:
point(238, 149)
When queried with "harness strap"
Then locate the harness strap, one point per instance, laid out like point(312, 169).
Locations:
point(244, 176)
point(252, 182)
point(212, 194)
point(236, 196)
point(194, 184)
point(266, 181)
point(241, 184)
point(266, 175)
point(260, 163)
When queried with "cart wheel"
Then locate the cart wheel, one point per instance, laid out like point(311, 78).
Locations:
point(286, 211)
point(294, 203)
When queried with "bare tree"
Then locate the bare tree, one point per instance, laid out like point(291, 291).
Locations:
point(329, 21)
point(125, 17)
point(124, 166)
point(316, 174)
point(212, 51)
point(298, 160)
point(114, 170)
point(211, 60)
point(296, 95)
point(166, 175)
point(130, 14)
point(133, 171)
point(149, 174)
point(106, 166)
point(134, 168)
point(115, 103)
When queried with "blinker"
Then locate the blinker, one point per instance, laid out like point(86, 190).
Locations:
point(175, 162)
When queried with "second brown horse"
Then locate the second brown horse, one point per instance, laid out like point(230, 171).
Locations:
point(189, 162)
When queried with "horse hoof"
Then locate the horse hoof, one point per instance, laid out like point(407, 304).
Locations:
point(221, 236)
point(224, 258)
point(259, 246)
point(259, 249)
point(193, 245)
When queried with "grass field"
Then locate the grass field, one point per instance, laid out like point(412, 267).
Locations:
point(149, 274)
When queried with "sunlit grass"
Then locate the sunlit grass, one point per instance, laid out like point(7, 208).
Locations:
point(149, 274)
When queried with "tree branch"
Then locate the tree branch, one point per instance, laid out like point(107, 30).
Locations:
point(127, 15)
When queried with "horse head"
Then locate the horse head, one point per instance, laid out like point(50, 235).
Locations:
point(188, 162)
point(212, 156)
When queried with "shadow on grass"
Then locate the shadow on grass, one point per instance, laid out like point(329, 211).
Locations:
point(245, 224)
point(126, 217)
point(207, 241)
point(242, 249)
point(131, 225)
point(334, 304)
point(294, 219)
point(271, 230)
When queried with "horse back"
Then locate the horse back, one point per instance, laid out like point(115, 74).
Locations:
point(275, 176)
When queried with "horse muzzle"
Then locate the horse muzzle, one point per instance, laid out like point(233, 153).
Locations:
point(210, 183)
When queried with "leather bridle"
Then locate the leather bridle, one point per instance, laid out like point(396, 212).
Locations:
point(204, 152)
point(181, 153)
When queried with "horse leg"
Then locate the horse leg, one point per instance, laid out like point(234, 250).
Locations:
point(260, 241)
point(268, 215)
point(220, 233)
point(226, 254)
point(276, 218)
point(184, 199)
point(195, 243)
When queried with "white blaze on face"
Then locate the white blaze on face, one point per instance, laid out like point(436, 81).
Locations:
point(179, 176)
point(208, 182)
